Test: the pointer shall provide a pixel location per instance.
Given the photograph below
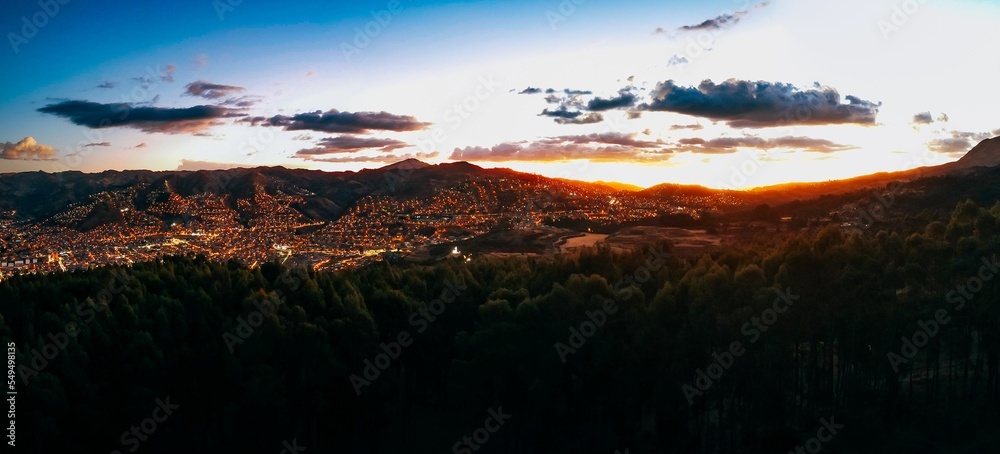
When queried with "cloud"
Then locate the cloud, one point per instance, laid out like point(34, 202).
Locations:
point(723, 20)
point(732, 144)
point(200, 61)
point(590, 118)
point(659, 31)
point(382, 159)
point(141, 145)
point(677, 60)
point(959, 141)
point(923, 118)
point(624, 99)
point(144, 118)
point(351, 144)
point(209, 90)
point(27, 149)
point(303, 137)
point(715, 23)
point(561, 112)
point(694, 127)
point(98, 144)
point(747, 104)
point(336, 121)
point(107, 85)
point(577, 92)
point(556, 149)
point(530, 91)
point(608, 138)
point(168, 73)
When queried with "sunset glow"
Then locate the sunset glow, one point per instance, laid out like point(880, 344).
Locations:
point(724, 93)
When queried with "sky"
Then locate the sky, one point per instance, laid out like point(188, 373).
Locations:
point(722, 93)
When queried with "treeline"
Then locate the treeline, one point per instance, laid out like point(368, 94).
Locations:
point(749, 348)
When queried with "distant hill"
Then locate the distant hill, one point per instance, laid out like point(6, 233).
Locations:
point(985, 154)
point(619, 186)
point(90, 200)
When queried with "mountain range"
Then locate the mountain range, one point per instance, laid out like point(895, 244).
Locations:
point(84, 201)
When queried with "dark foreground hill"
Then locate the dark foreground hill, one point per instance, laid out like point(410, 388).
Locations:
point(850, 342)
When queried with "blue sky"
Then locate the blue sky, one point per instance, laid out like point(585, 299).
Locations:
point(641, 92)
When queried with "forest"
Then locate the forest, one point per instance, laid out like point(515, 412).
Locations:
point(879, 340)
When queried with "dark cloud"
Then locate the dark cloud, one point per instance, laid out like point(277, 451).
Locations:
point(923, 118)
point(959, 141)
point(624, 99)
point(107, 85)
point(351, 144)
point(715, 23)
point(561, 112)
point(98, 144)
point(550, 90)
point(723, 20)
point(552, 99)
point(747, 104)
point(336, 121)
point(633, 114)
point(530, 91)
point(694, 127)
point(209, 90)
point(587, 119)
point(577, 92)
point(303, 137)
point(144, 118)
point(26, 149)
point(732, 144)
